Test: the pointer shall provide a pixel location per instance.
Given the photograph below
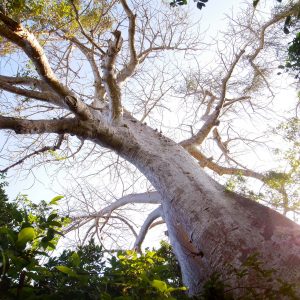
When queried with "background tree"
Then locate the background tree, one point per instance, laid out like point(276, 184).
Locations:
point(75, 90)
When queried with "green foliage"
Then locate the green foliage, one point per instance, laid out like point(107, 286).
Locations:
point(28, 272)
point(291, 23)
point(7, 210)
point(43, 17)
point(281, 189)
point(73, 274)
point(292, 64)
point(214, 289)
point(173, 271)
point(293, 61)
point(238, 183)
point(88, 273)
point(290, 131)
point(131, 276)
point(32, 231)
point(288, 181)
point(276, 180)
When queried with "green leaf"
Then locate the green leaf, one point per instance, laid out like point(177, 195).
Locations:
point(181, 288)
point(67, 271)
point(26, 235)
point(10, 233)
point(55, 223)
point(55, 200)
point(51, 245)
point(150, 260)
point(52, 217)
point(45, 243)
point(50, 234)
point(75, 259)
point(18, 216)
point(105, 296)
point(42, 253)
point(159, 285)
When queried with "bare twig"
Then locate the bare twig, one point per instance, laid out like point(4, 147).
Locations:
point(37, 152)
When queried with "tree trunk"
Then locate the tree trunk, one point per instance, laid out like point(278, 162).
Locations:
point(208, 227)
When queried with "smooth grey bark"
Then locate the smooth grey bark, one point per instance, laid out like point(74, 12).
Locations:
point(208, 227)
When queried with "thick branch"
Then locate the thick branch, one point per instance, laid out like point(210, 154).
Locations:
point(27, 81)
point(221, 145)
point(129, 69)
point(261, 45)
point(109, 76)
point(273, 21)
point(212, 120)
point(89, 54)
point(206, 162)
point(22, 126)
point(20, 36)
point(154, 224)
point(155, 214)
point(220, 170)
point(42, 96)
point(148, 197)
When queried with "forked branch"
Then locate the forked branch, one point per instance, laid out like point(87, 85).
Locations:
point(148, 197)
point(129, 68)
point(220, 170)
point(212, 119)
point(155, 214)
point(107, 212)
point(109, 76)
point(19, 35)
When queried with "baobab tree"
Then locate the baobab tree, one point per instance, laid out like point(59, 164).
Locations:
point(95, 72)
